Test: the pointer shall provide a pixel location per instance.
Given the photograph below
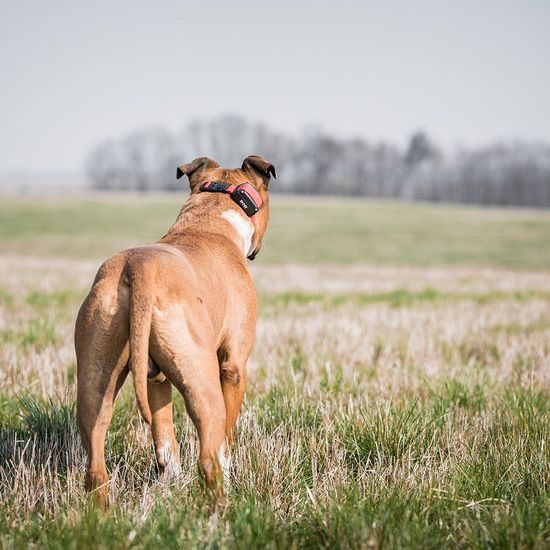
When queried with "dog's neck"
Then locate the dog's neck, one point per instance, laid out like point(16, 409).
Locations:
point(241, 224)
point(210, 213)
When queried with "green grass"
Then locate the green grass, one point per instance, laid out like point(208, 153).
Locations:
point(461, 467)
point(38, 332)
point(399, 297)
point(301, 230)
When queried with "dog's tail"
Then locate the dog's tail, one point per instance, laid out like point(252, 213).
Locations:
point(141, 311)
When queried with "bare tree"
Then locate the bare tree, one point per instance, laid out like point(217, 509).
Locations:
point(318, 163)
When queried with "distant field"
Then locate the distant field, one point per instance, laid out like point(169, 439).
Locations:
point(302, 230)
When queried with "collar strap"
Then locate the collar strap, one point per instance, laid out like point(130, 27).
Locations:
point(245, 195)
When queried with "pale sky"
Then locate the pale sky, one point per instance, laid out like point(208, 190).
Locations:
point(74, 73)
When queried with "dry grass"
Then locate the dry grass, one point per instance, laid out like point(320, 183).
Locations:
point(401, 407)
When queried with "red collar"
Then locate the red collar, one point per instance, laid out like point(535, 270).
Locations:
point(245, 195)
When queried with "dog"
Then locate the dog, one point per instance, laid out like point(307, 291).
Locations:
point(180, 312)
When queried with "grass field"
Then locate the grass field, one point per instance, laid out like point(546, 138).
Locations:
point(302, 230)
point(399, 391)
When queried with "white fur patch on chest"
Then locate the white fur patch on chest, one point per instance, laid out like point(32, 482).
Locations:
point(243, 227)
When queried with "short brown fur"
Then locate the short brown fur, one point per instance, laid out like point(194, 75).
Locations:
point(185, 305)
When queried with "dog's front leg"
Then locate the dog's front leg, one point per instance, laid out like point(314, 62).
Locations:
point(233, 381)
point(166, 446)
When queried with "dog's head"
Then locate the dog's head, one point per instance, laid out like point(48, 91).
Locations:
point(255, 170)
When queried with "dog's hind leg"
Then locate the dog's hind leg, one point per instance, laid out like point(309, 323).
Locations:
point(162, 427)
point(95, 398)
point(195, 373)
point(186, 354)
point(204, 401)
point(102, 352)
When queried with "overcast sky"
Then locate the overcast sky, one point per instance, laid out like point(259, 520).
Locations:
point(73, 73)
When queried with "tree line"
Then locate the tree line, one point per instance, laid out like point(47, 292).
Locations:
point(316, 163)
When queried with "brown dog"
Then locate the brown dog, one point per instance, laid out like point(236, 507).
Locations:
point(181, 311)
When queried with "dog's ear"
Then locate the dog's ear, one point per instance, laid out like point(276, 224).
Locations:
point(260, 166)
point(194, 170)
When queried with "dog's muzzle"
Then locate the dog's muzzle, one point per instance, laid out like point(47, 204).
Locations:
point(254, 254)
